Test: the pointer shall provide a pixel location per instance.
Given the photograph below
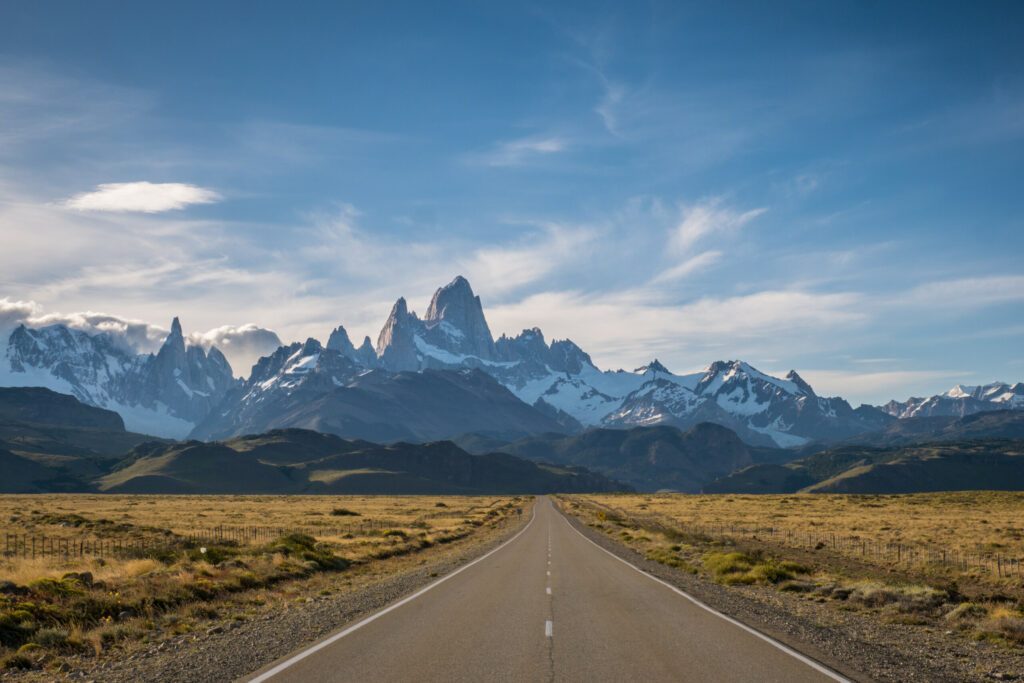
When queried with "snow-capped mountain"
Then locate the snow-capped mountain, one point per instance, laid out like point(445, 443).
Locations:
point(961, 400)
point(314, 387)
point(561, 379)
point(164, 394)
point(761, 408)
point(442, 375)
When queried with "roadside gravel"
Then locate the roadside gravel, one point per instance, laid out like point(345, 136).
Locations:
point(854, 644)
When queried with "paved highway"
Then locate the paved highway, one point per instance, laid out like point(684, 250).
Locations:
point(548, 605)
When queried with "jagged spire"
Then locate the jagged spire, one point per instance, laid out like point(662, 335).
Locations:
point(456, 305)
point(339, 341)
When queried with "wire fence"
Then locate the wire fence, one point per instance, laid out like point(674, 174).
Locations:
point(34, 546)
point(857, 546)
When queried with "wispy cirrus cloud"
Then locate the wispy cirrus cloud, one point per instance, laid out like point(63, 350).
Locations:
point(966, 292)
point(707, 218)
point(520, 152)
point(142, 197)
point(689, 267)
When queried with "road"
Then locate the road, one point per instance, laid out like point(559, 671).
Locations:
point(548, 605)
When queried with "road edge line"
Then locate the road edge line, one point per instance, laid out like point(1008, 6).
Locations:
point(288, 663)
point(814, 664)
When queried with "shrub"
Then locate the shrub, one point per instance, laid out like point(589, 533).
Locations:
point(769, 572)
point(739, 569)
point(13, 628)
point(669, 559)
point(908, 598)
point(17, 661)
point(57, 588)
point(51, 637)
point(303, 547)
point(344, 512)
point(1003, 623)
point(966, 611)
point(722, 564)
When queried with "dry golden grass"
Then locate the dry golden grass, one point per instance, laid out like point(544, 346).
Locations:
point(173, 584)
point(978, 523)
point(694, 534)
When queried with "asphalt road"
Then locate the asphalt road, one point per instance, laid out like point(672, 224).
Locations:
point(548, 605)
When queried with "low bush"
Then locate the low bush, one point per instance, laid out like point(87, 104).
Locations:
point(1003, 623)
point(967, 611)
point(306, 548)
point(344, 512)
point(17, 661)
point(737, 568)
point(51, 637)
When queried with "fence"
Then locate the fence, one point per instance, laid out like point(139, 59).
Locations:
point(858, 546)
point(32, 546)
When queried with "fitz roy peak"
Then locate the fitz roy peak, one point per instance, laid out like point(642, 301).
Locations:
point(163, 394)
point(453, 333)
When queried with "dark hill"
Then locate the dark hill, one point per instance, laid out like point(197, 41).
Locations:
point(650, 458)
point(995, 464)
point(299, 461)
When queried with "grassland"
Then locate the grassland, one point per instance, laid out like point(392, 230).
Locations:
point(723, 538)
point(168, 582)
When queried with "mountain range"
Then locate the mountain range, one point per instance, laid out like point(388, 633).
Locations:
point(52, 442)
point(441, 376)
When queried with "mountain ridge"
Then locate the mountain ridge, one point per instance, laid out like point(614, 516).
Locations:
point(184, 390)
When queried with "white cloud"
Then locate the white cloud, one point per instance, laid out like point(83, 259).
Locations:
point(879, 387)
point(520, 152)
point(623, 329)
point(142, 196)
point(688, 267)
point(967, 292)
point(243, 345)
point(505, 268)
point(133, 335)
point(705, 219)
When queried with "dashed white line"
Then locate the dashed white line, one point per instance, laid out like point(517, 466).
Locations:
point(548, 628)
point(548, 589)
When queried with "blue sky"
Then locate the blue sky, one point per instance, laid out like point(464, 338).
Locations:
point(831, 187)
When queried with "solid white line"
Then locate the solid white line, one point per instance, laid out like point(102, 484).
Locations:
point(768, 639)
point(548, 628)
point(373, 617)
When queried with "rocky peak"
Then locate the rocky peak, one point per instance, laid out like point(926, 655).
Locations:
point(528, 345)
point(455, 319)
point(339, 341)
point(396, 344)
point(567, 357)
point(802, 385)
point(654, 367)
